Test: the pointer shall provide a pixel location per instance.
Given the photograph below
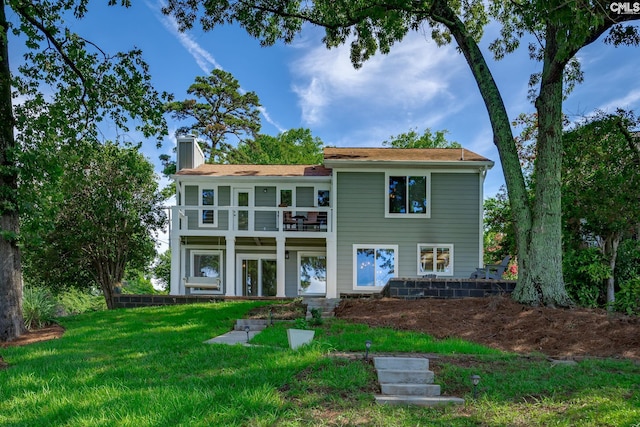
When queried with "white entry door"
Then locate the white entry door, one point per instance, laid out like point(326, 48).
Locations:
point(243, 218)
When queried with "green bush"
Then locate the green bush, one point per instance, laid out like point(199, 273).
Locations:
point(75, 301)
point(584, 273)
point(628, 297)
point(628, 261)
point(38, 307)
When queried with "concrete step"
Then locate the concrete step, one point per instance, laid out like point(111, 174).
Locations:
point(418, 400)
point(401, 363)
point(325, 305)
point(253, 324)
point(425, 390)
point(390, 376)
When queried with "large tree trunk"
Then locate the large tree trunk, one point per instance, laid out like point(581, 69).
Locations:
point(540, 259)
point(538, 227)
point(11, 322)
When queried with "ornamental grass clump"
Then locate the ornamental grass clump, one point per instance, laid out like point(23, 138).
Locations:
point(38, 306)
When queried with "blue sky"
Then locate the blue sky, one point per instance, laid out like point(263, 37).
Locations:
point(418, 85)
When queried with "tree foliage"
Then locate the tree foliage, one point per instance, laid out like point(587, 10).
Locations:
point(560, 30)
point(219, 109)
point(601, 184)
point(428, 139)
point(292, 147)
point(162, 269)
point(105, 211)
point(85, 86)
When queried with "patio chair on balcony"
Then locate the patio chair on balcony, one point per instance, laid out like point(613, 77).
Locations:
point(492, 271)
point(311, 220)
point(290, 223)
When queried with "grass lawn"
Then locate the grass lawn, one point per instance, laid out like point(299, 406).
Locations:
point(149, 367)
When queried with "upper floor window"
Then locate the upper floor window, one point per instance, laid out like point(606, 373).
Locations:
point(207, 198)
point(323, 198)
point(407, 195)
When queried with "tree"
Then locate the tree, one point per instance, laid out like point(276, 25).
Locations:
point(219, 109)
point(110, 207)
point(601, 183)
point(411, 139)
point(292, 147)
point(89, 86)
point(162, 269)
point(560, 30)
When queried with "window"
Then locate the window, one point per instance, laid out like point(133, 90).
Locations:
point(286, 197)
point(313, 274)
point(207, 198)
point(205, 264)
point(435, 259)
point(323, 198)
point(205, 272)
point(407, 195)
point(373, 265)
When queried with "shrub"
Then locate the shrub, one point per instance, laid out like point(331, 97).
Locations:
point(38, 307)
point(584, 273)
point(316, 317)
point(628, 297)
point(75, 301)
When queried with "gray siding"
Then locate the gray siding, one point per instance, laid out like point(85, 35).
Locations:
point(185, 154)
point(361, 220)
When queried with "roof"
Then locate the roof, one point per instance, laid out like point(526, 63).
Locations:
point(401, 155)
point(257, 170)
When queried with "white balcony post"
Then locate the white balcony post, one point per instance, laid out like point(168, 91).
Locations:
point(332, 267)
point(176, 265)
point(230, 273)
point(280, 256)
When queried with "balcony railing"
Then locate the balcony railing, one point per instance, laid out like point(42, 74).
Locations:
point(252, 219)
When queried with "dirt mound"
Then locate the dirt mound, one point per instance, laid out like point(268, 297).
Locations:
point(501, 323)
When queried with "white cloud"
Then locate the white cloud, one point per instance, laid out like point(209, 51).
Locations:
point(204, 59)
point(415, 73)
point(629, 101)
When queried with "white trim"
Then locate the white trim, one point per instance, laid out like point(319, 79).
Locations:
point(202, 207)
point(407, 173)
point(375, 247)
point(435, 246)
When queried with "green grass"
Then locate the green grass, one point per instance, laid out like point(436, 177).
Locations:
point(149, 367)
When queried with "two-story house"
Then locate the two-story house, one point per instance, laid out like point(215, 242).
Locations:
point(345, 227)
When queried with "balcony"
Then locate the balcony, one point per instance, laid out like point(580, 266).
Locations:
point(253, 221)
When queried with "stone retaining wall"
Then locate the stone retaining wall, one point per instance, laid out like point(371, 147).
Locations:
point(413, 288)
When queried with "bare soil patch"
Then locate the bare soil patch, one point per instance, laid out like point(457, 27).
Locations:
point(501, 323)
point(36, 335)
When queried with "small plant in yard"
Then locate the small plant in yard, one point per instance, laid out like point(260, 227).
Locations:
point(301, 323)
point(38, 307)
point(316, 317)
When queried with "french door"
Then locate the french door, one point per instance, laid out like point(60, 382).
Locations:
point(257, 275)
